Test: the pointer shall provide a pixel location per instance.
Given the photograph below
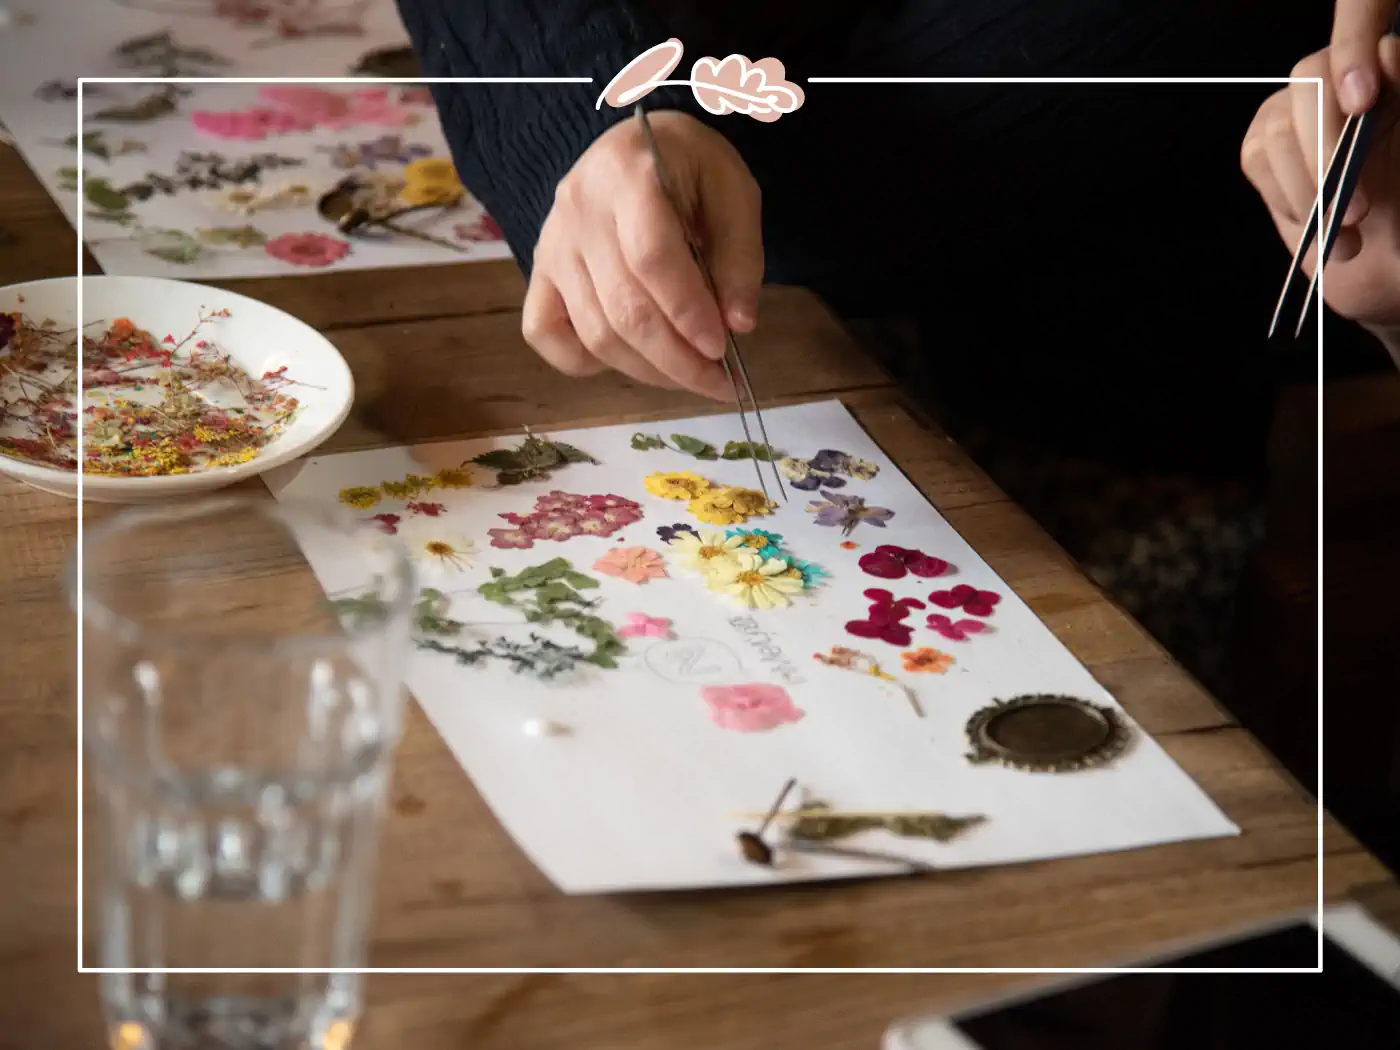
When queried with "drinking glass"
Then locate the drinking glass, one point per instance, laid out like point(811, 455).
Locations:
point(238, 737)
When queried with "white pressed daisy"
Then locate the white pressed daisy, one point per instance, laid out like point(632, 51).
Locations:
point(436, 548)
point(755, 581)
point(704, 551)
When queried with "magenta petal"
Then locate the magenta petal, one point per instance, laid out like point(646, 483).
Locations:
point(979, 608)
point(927, 565)
point(885, 566)
point(865, 629)
point(970, 626)
point(876, 594)
point(945, 599)
point(898, 634)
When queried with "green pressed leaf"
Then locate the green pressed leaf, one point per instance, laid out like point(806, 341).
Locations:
point(68, 179)
point(499, 459)
point(152, 107)
point(102, 195)
point(580, 581)
point(92, 143)
point(694, 447)
point(647, 442)
point(570, 454)
point(512, 477)
point(240, 236)
point(497, 572)
point(174, 246)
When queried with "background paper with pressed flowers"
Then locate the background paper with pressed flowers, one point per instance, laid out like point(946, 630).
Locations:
point(221, 181)
point(641, 792)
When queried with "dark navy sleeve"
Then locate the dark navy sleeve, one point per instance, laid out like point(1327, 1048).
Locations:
point(512, 143)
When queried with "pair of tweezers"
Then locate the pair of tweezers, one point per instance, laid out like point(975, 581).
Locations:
point(734, 369)
point(1338, 186)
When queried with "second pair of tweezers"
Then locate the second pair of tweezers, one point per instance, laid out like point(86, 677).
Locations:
point(734, 369)
point(1338, 185)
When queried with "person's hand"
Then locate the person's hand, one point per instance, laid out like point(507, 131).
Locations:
point(614, 284)
point(1358, 26)
point(1279, 157)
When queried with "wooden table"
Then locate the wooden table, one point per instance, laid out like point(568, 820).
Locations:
point(437, 354)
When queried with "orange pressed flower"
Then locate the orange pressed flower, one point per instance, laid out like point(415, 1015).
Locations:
point(927, 661)
point(849, 545)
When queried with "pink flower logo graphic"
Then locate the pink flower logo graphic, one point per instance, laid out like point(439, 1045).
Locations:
point(730, 85)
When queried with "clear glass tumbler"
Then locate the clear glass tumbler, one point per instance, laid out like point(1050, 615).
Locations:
point(238, 740)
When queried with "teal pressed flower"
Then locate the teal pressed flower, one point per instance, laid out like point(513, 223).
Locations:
point(768, 544)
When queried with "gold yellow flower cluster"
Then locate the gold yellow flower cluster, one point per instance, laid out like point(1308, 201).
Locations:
point(431, 180)
point(732, 567)
point(363, 497)
point(711, 504)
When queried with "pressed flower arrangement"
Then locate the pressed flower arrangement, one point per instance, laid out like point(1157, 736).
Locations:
point(152, 406)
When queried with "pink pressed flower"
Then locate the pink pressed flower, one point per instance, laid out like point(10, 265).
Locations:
point(307, 249)
point(556, 527)
point(313, 106)
point(387, 522)
point(750, 708)
point(511, 538)
point(609, 501)
point(429, 510)
point(633, 564)
point(968, 599)
point(619, 516)
point(590, 526)
point(246, 124)
point(956, 631)
point(892, 563)
point(557, 500)
point(416, 97)
point(374, 106)
point(640, 625)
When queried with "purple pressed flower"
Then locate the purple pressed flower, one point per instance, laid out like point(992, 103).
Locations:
point(670, 532)
point(848, 512)
point(830, 461)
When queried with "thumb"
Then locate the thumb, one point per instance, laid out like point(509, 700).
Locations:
point(731, 216)
point(1357, 29)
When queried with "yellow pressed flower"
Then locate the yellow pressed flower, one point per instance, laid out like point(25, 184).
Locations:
point(755, 582)
point(412, 485)
point(431, 180)
point(453, 478)
point(729, 505)
point(361, 497)
point(232, 459)
point(679, 484)
point(701, 550)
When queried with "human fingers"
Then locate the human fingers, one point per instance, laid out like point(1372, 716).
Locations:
point(641, 326)
point(731, 207)
point(1273, 162)
point(1354, 55)
point(595, 329)
point(655, 250)
point(1310, 135)
point(545, 323)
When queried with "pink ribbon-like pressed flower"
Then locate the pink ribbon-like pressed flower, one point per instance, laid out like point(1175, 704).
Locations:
point(955, 630)
point(753, 708)
point(640, 625)
point(969, 599)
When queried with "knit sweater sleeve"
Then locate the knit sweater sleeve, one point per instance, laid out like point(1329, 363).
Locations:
point(512, 143)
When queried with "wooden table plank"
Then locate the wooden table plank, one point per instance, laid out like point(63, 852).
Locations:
point(442, 358)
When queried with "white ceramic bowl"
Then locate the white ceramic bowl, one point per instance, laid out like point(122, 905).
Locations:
point(257, 337)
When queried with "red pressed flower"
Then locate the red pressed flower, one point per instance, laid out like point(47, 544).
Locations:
point(968, 599)
point(388, 522)
point(893, 563)
point(886, 618)
point(307, 249)
point(431, 510)
point(956, 631)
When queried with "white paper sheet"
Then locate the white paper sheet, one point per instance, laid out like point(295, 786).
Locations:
point(643, 791)
point(60, 40)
